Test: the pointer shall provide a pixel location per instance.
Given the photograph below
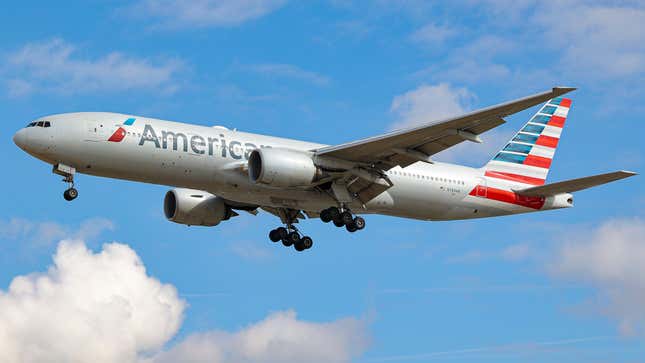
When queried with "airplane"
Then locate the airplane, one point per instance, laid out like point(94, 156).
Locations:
point(217, 171)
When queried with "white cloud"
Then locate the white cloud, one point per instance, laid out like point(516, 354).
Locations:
point(473, 62)
point(252, 251)
point(46, 232)
point(610, 258)
point(601, 40)
point(104, 307)
point(511, 253)
point(203, 13)
point(474, 154)
point(289, 71)
point(429, 103)
point(517, 252)
point(280, 337)
point(52, 66)
point(87, 307)
point(433, 34)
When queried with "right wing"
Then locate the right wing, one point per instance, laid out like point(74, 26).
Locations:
point(574, 185)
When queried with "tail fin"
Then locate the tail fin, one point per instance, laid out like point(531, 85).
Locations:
point(527, 157)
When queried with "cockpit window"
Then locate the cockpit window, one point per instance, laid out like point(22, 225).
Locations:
point(39, 124)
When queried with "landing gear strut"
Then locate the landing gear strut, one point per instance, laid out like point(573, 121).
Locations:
point(291, 237)
point(342, 218)
point(68, 177)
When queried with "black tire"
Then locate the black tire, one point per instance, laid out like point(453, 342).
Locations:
point(70, 194)
point(325, 216)
point(274, 236)
point(347, 218)
point(292, 238)
point(282, 232)
point(351, 227)
point(334, 212)
point(359, 222)
point(338, 223)
point(299, 246)
point(307, 242)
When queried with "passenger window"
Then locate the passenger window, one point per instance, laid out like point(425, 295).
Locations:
point(47, 124)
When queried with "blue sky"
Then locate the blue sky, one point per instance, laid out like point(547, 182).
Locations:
point(547, 287)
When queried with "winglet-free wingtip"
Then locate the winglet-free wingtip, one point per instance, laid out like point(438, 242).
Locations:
point(628, 173)
point(562, 90)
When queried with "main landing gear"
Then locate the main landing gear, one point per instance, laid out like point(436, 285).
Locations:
point(68, 177)
point(342, 218)
point(291, 237)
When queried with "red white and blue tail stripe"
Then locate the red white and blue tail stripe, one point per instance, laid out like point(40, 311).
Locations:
point(527, 157)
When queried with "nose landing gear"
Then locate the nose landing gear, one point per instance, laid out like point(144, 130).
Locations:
point(70, 194)
point(342, 218)
point(68, 177)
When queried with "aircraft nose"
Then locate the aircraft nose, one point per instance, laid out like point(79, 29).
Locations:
point(20, 139)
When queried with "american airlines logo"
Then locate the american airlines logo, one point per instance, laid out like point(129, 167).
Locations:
point(218, 146)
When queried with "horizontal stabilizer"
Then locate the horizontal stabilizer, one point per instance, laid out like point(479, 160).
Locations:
point(573, 185)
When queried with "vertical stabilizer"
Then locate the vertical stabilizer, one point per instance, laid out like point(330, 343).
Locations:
point(527, 157)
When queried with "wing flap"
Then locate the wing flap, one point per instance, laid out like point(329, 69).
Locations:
point(574, 185)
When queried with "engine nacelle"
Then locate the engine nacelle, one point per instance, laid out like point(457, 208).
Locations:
point(195, 207)
point(282, 167)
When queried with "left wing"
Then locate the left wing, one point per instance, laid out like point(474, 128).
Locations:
point(404, 147)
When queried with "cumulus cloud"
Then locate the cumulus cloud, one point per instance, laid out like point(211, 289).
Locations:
point(429, 103)
point(104, 307)
point(53, 66)
point(280, 337)
point(203, 13)
point(610, 258)
point(289, 71)
point(46, 232)
point(87, 307)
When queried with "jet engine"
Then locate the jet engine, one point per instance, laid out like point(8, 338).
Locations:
point(195, 207)
point(282, 168)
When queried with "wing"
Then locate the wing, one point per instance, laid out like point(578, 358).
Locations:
point(404, 147)
point(574, 185)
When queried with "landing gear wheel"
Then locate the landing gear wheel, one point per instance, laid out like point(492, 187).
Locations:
point(351, 227)
point(326, 216)
point(281, 232)
point(334, 213)
point(70, 194)
point(299, 246)
point(292, 238)
point(338, 222)
point(347, 218)
point(307, 242)
point(359, 223)
point(274, 235)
